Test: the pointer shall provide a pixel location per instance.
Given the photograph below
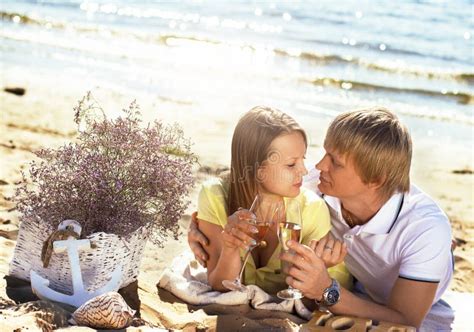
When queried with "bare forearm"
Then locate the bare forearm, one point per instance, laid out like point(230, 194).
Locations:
point(408, 303)
point(350, 304)
point(227, 268)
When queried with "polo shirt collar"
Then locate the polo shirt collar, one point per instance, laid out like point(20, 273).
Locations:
point(383, 220)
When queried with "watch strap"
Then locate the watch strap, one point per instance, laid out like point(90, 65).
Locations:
point(331, 295)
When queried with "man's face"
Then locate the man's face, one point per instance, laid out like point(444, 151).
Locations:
point(339, 177)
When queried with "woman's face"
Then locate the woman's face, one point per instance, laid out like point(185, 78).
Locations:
point(282, 173)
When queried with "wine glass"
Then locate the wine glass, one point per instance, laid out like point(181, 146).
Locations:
point(262, 216)
point(289, 228)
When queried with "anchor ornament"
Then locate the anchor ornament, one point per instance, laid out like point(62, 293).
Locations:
point(80, 295)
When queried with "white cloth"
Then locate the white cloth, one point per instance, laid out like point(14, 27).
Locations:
point(187, 280)
point(439, 318)
point(461, 304)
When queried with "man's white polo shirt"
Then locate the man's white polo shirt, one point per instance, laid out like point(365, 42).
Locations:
point(409, 237)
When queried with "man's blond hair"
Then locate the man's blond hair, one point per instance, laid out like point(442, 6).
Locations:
point(379, 145)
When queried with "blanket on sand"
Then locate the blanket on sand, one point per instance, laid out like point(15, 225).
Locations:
point(187, 280)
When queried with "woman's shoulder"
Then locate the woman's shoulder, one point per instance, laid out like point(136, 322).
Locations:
point(309, 199)
point(215, 188)
point(315, 215)
point(212, 200)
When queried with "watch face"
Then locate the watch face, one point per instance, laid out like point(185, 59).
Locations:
point(332, 296)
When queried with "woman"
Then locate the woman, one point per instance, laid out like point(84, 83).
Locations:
point(268, 152)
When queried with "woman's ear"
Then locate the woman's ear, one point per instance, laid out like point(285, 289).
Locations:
point(261, 175)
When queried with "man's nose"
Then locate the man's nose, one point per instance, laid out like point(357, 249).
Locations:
point(322, 164)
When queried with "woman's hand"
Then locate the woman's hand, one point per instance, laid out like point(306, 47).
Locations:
point(238, 231)
point(330, 250)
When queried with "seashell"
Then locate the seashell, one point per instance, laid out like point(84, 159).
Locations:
point(106, 311)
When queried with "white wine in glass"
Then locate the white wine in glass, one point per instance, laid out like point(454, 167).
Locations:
point(290, 229)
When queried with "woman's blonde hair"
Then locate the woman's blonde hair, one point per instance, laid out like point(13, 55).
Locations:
point(251, 142)
point(378, 143)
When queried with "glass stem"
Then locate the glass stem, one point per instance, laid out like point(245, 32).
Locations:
point(247, 254)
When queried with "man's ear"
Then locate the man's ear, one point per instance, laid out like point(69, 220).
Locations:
point(377, 184)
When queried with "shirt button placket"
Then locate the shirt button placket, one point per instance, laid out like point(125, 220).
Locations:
point(348, 239)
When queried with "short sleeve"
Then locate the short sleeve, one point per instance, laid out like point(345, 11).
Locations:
point(316, 224)
point(424, 257)
point(341, 274)
point(212, 203)
point(316, 219)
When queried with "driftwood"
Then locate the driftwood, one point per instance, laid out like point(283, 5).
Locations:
point(326, 322)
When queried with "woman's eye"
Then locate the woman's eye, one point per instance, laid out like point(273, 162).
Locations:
point(291, 165)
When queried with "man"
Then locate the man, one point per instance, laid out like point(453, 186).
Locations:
point(398, 240)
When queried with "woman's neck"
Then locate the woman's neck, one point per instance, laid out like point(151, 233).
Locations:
point(271, 197)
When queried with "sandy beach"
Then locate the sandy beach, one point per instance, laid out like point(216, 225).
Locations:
point(202, 65)
point(43, 118)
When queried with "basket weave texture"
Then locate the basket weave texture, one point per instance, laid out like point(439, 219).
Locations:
point(97, 263)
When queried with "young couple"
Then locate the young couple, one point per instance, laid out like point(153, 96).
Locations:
point(394, 240)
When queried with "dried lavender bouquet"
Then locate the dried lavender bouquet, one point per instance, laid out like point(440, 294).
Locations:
point(116, 177)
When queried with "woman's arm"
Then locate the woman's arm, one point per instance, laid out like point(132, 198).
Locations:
point(222, 263)
point(224, 248)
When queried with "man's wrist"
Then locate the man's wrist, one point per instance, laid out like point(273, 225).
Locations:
point(325, 284)
point(331, 295)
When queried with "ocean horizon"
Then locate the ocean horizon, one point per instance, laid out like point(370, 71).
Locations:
point(313, 59)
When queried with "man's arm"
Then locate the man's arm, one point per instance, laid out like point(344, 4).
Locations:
point(197, 241)
point(408, 304)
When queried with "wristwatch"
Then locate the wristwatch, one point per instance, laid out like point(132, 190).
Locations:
point(331, 295)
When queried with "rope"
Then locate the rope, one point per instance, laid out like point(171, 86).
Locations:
point(58, 235)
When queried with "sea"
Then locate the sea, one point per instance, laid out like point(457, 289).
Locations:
point(313, 59)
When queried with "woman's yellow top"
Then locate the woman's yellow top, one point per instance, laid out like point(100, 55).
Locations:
point(212, 207)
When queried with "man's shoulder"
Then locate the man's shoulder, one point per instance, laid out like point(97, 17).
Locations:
point(421, 212)
point(420, 204)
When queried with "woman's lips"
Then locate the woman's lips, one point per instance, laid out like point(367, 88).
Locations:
point(299, 184)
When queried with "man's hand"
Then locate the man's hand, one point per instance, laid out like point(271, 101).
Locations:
point(307, 272)
point(330, 250)
point(197, 241)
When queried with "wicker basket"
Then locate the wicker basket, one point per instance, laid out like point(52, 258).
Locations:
point(96, 264)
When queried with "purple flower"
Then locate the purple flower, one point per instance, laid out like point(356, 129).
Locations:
point(116, 177)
